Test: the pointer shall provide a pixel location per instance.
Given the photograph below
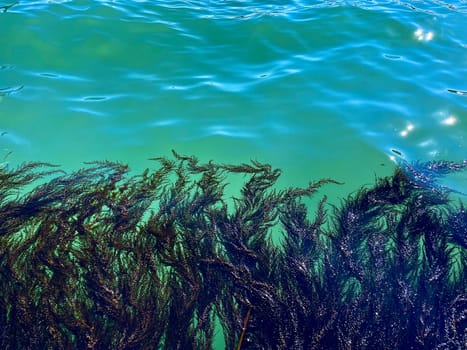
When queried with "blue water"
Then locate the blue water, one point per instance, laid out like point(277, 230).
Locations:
point(318, 88)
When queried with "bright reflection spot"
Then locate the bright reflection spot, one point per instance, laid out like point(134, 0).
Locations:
point(420, 34)
point(451, 120)
point(407, 130)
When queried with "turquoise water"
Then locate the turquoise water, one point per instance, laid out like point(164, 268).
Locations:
point(338, 89)
point(317, 88)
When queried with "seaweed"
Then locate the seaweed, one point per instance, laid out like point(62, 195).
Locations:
point(103, 259)
point(426, 174)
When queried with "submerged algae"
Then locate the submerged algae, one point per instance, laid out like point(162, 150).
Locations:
point(100, 259)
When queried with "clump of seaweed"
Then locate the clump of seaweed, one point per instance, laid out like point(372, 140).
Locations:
point(426, 174)
point(101, 259)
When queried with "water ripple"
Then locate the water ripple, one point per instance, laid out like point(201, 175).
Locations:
point(292, 75)
point(229, 131)
point(10, 90)
point(87, 111)
point(97, 98)
point(240, 9)
point(165, 122)
point(62, 76)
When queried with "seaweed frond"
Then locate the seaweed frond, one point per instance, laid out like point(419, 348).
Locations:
point(100, 258)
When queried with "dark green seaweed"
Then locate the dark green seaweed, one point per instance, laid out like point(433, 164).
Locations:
point(101, 259)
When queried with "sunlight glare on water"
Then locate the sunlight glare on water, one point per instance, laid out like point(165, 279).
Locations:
point(319, 89)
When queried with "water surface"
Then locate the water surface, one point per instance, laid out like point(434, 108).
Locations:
point(317, 88)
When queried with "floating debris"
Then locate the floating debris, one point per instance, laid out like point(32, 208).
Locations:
point(458, 92)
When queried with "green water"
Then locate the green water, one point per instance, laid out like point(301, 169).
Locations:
point(318, 89)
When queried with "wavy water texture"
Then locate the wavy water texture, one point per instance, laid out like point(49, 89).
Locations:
point(336, 83)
